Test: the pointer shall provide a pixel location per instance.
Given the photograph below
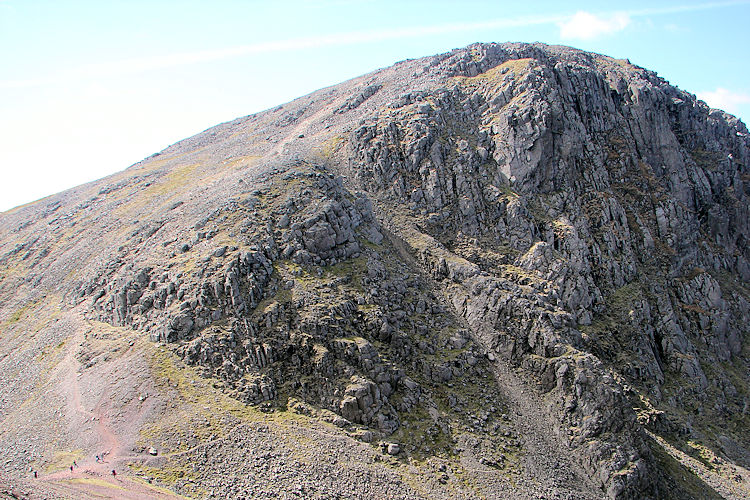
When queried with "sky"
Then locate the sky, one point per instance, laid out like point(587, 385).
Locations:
point(88, 88)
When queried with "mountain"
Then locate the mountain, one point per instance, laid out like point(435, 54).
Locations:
point(507, 271)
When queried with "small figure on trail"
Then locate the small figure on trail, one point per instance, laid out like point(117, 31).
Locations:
point(75, 464)
point(97, 459)
point(71, 468)
point(114, 474)
point(35, 476)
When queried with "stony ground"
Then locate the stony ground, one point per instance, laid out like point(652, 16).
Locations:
point(105, 385)
point(509, 271)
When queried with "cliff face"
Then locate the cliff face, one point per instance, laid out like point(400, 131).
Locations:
point(519, 268)
point(615, 201)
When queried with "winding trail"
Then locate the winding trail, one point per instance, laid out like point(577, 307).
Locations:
point(93, 478)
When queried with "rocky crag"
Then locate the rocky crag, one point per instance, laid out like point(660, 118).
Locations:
point(505, 271)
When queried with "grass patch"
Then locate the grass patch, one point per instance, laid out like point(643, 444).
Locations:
point(19, 313)
point(241, 162)
point(707, 160)
point(352, 268)
point(331, 146)
point(163, 190)
point(420, 430)
point(683, 478)
point(619, 304)
point(166, 491)
point(508, 192)
point(169, 474)
point(203, 409)
point(63, 459)
point(94, 482)
point(51, 352)
point(515, 66)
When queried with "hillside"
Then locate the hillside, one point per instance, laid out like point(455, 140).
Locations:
point(507, 271)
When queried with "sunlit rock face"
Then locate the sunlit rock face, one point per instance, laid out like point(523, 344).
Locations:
point(522, 265)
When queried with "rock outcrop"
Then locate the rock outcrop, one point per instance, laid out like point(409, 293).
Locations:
point(562, 197)
point(527, 260)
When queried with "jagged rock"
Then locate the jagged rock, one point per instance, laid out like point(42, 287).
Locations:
point(515, 248)
point(179, 327)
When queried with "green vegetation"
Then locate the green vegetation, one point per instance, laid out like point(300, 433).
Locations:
point(169, 474)
point(420, 430)
point(162, 190)
point(198, 403)
point(204, 409)
point(684, 479)
point(95, 482)
point(241, 162)
point(619, 304)
point(19, 313)
point(51, 355)
point(332, 145)
point(63, 459)
point(706, 159)
point(508, 192)
point(352, 269)
point(515, 66)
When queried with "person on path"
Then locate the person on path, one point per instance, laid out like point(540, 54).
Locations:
point(35, 476)
point(97, 459)
point(71, 469)
point(114, 474)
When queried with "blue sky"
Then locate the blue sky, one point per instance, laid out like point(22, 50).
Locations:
point(89, 87)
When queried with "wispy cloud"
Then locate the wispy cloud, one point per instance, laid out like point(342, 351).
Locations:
point(674, 28)
point(581, 25)
point(142, 64)
point(725, 99)
point(585, 26)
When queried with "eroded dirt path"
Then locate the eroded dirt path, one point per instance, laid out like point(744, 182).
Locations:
point(91, 476)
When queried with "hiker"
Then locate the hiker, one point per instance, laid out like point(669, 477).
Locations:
point(97, 459)
point(35, 476)
point(71, 469)
point(75, 464)
point(114, 474)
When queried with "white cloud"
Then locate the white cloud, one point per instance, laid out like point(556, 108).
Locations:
point(585, 26)
point(582, 25)
point(725, 99)
point(149, 63)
